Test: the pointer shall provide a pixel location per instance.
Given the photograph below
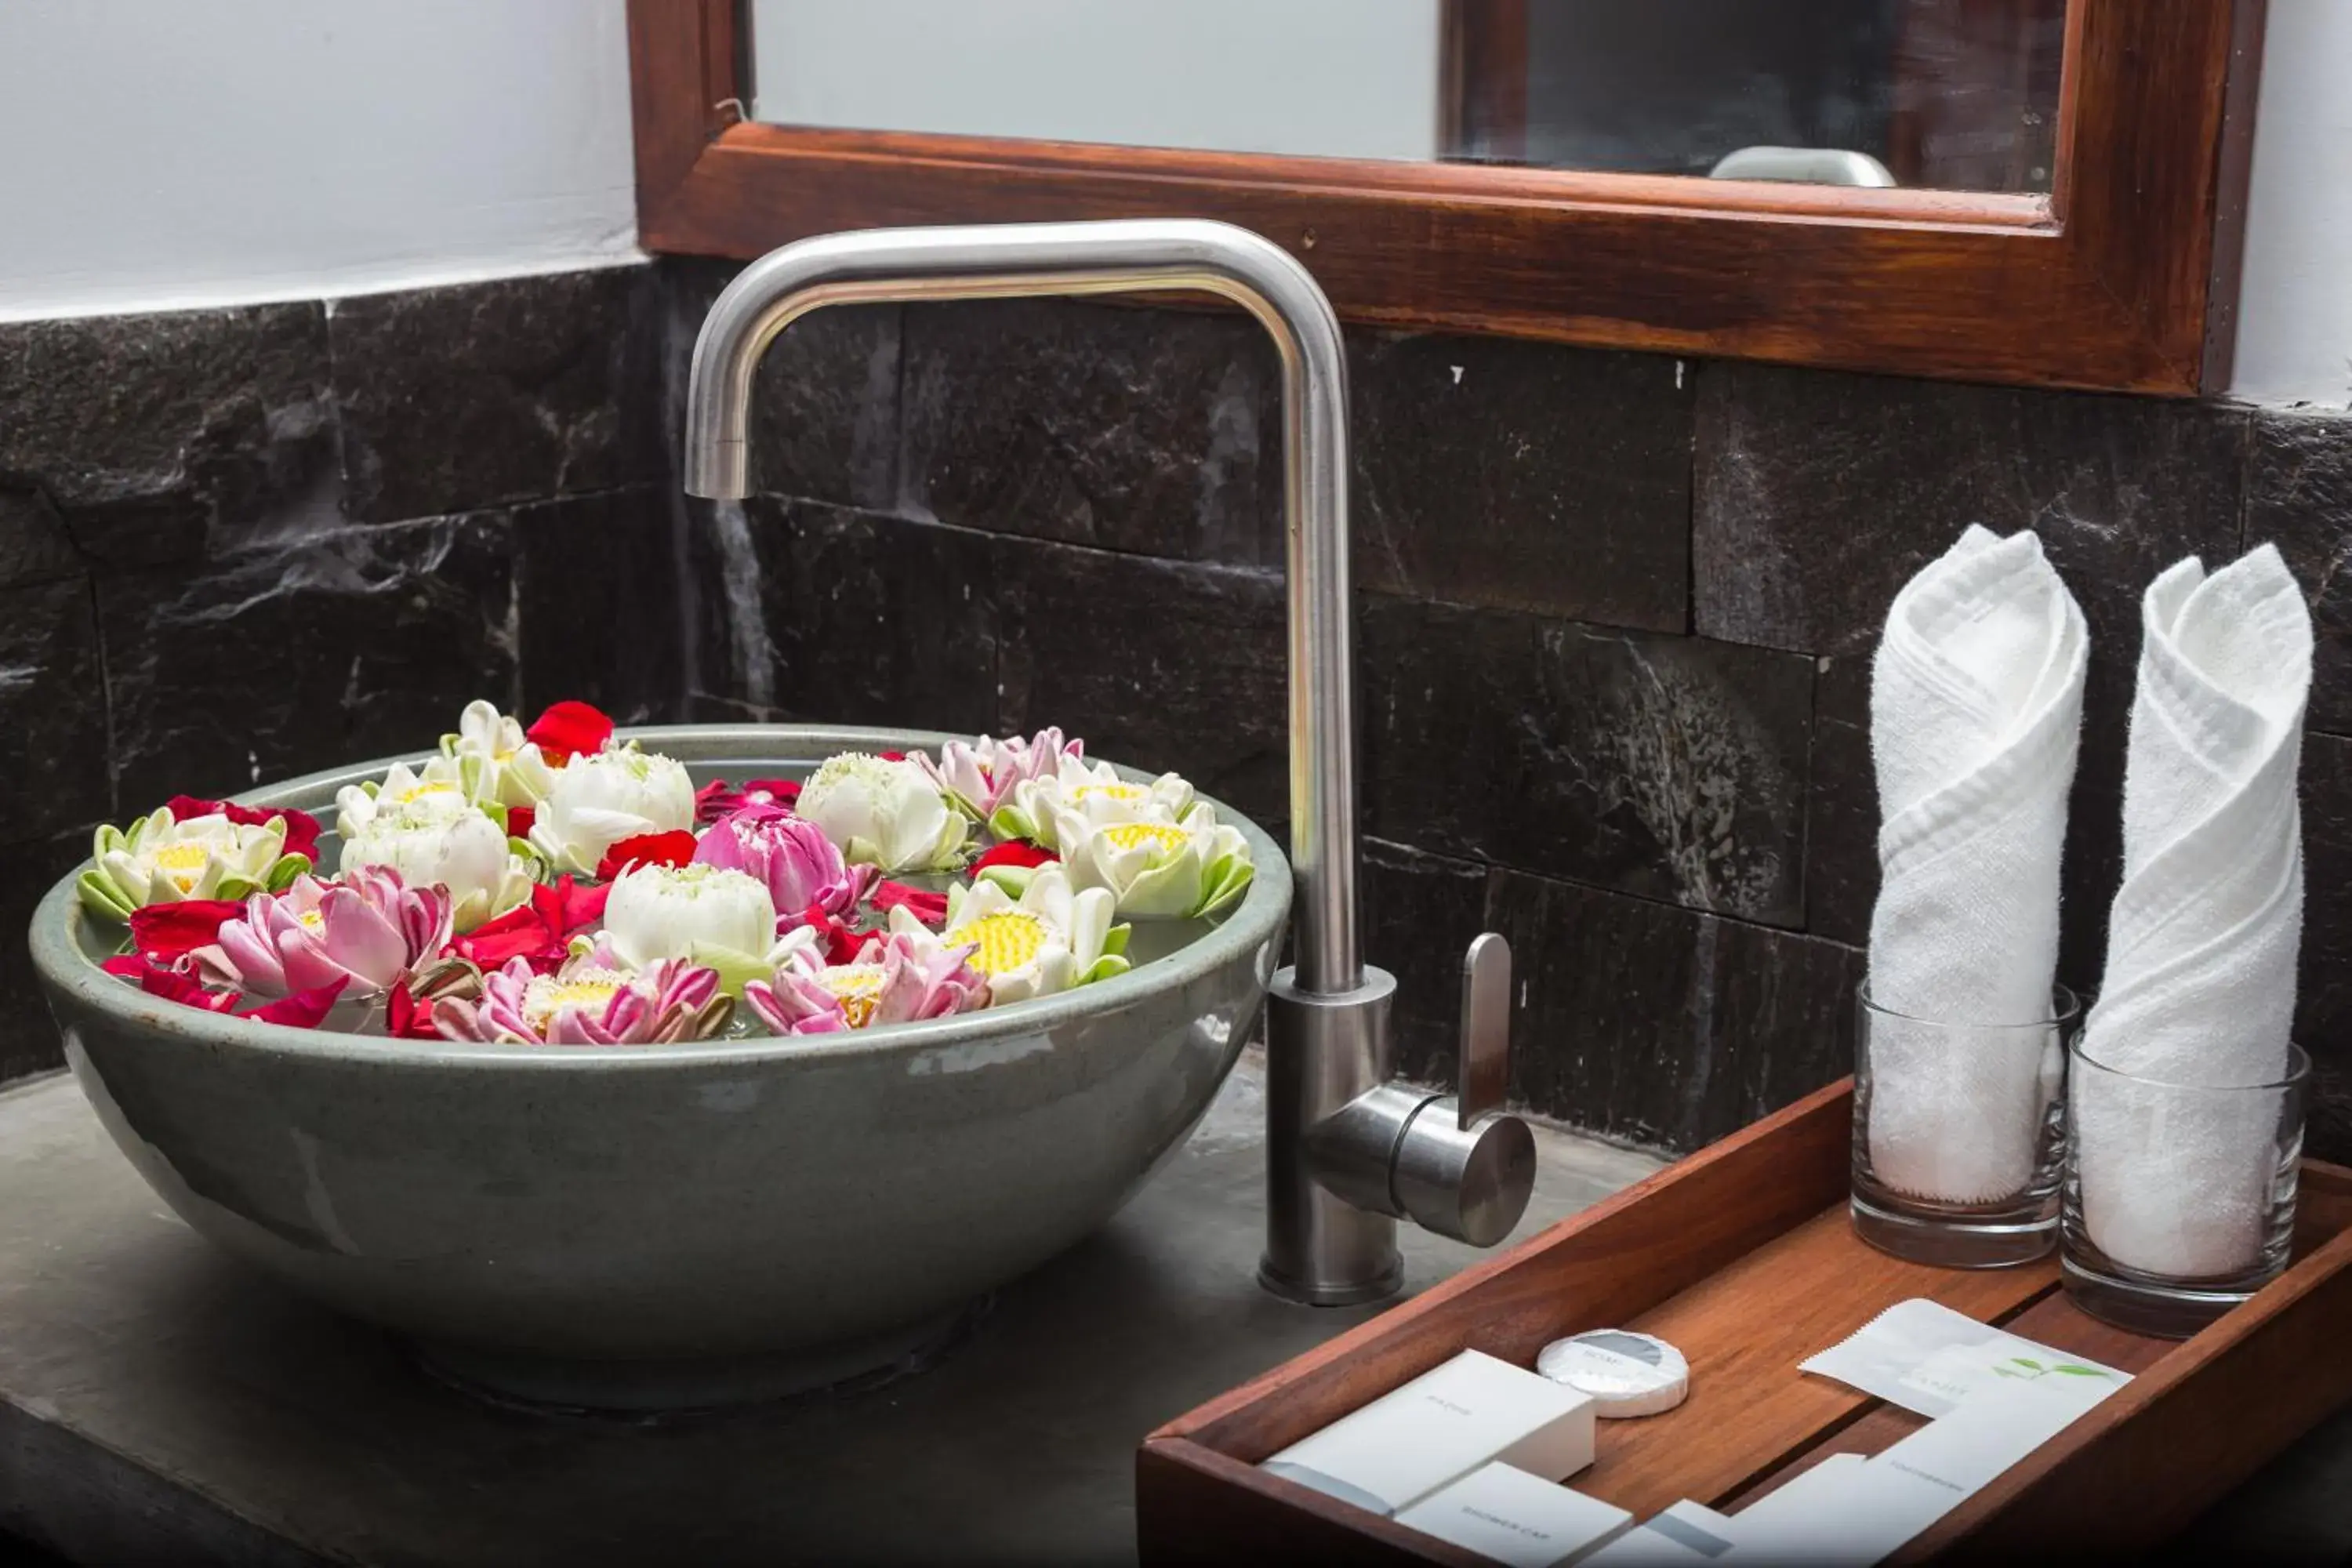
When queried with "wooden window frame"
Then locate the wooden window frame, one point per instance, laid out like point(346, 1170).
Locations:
point(2123, 278)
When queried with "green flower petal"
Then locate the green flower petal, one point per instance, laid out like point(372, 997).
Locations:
point(1013, 879)
point(1223, 885)
point(735, 969)
point(1011, 822)
point(101, 897)
point(281, 873)
point(1103, 968)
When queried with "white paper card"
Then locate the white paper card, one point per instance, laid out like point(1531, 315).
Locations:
point(1847, 1510)
point(1516, 1518)
point(1687, 1535)
point(1929, 1359)
point(1438, 1428)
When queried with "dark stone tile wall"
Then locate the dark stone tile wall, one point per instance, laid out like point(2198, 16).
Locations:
point(1615, 619)
point(241, 544)
point(1615, 610)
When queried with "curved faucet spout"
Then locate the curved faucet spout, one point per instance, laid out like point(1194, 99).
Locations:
point(1003, 261)
point(1348, 1152)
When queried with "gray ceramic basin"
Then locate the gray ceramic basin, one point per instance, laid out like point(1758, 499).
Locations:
point(666, 1226)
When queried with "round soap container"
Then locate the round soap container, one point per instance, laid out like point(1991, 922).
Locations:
point(1627, 1373)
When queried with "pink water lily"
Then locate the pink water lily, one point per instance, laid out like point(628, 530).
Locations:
point(800, 866)
point(364, 930)
point(982, 776)
point(893, 979)
point(588, 1002)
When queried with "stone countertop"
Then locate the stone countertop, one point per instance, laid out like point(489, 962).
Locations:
point(160, 1402)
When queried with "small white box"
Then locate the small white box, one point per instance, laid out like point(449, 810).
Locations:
point(1507, 1514)
point(1439, 1428)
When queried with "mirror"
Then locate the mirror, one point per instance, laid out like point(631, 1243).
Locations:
point(1945, 94)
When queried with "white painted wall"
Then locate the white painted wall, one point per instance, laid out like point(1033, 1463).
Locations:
point(160, 153)
point(1328, 78)
point(2294, 323)
point(156, 153)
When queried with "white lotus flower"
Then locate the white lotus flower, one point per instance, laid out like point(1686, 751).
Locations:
point(596, 801)
point(719, 918)
point(884, 813)
point(161, 860)
point(495, 761)
point(1159, 870)
point(436, 837)
point(1095, 793)
point(436, 781)
point(1049, 939)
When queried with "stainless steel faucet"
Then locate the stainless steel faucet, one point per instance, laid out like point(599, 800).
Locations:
point(1349, 1152)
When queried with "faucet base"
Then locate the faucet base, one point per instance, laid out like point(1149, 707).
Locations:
point(1322, 1051)
point(1379, 1287)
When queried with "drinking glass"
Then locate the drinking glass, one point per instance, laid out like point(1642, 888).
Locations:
point(2178, 1198)
point(1958, 1134)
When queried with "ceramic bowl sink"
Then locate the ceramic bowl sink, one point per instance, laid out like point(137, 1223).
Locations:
point(668, 1226)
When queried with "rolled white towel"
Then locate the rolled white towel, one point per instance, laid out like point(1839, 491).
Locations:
point(1976, 711)
point(2199, 983)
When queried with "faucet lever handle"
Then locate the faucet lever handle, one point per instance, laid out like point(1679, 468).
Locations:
point(1485, 1063)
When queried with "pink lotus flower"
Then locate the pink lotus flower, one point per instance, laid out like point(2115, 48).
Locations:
point(365, 931)
point(982, 776)
point(790, 855)
point(589, 1002)
point(893, 979)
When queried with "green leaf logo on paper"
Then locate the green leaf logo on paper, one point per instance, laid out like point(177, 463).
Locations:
point(2035, 1368)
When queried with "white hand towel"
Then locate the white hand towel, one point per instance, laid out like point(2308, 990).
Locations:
point(2200, 986)
point(1976, 709)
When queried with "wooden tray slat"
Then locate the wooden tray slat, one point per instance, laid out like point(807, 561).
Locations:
point(1743, 1258)
point(1745, 1329)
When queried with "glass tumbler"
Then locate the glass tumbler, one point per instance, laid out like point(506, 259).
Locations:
point(1958, 1135)
point(2178, 1197)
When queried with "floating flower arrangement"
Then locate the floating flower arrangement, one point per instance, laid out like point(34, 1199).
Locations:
point(557, 886)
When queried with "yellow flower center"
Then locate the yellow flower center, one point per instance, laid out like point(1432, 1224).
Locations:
point(311, 919)
point(419, 791)
point(1160, 836)
point(1121, 793)
point(1007, 940)
point(183, 863)
point(591, 990)
point(860, 986)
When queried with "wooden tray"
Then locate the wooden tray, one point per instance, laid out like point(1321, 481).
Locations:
point(1742, 1257)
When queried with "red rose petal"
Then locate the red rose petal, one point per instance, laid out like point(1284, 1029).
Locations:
point(567, 728)
point(519, 820)
point(675, 848)
point(171, 984)
point(718, 798)
point(577, 904)
point(932, 909)
point(519, 933)
point(837, 943)
point(304, 1009)
point(301, 828)
point(171, 931)
point(406, 1017)
point(893, 757)
point(1015, 852)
